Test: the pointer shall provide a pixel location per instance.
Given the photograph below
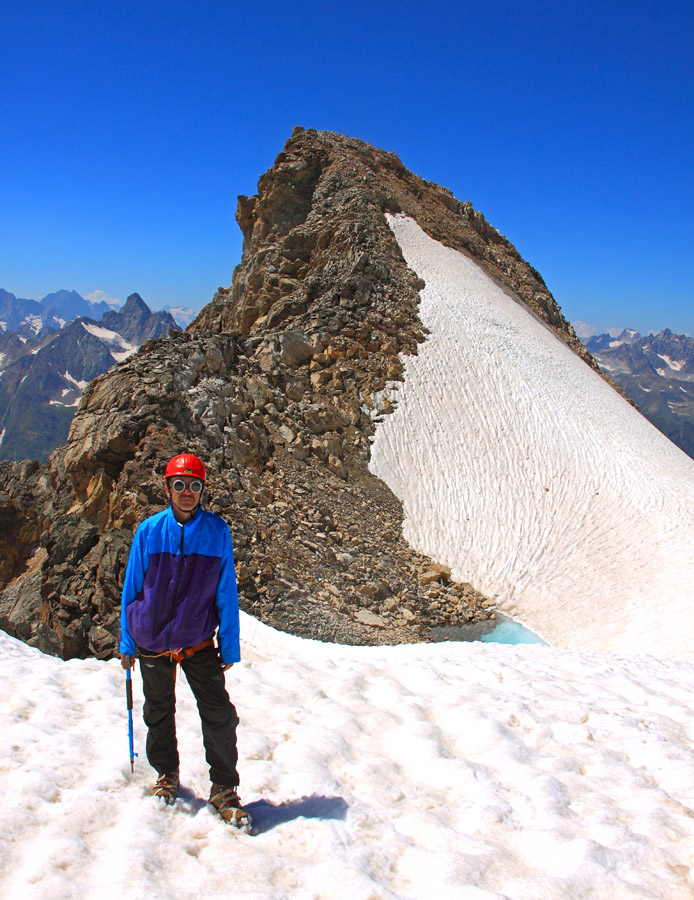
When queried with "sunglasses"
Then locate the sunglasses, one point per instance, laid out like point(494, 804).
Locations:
point(179, 486)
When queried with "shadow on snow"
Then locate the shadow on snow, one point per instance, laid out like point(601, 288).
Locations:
point(267, 816)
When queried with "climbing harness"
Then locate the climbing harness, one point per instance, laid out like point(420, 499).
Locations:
point(177, 656)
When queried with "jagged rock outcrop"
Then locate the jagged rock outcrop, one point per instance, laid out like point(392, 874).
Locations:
point(278, 384)
point(317, 247)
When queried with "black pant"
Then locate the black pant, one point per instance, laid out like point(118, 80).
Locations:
point(205, 676)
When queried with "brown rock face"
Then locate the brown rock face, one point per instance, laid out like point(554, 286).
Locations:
point(316, 244)
point(278, 385)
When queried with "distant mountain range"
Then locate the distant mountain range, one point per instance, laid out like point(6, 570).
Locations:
point(656, 371)
point(184, 315)
point(49, 357)
point(32, 319)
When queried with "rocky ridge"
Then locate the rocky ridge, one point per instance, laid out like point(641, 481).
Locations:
point(279, 385)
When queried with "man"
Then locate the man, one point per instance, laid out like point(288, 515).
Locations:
point(179, 589)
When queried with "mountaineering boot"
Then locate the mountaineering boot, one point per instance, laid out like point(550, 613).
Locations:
point(166, 787)
point(226, 801)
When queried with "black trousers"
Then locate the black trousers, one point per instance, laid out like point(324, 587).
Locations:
point(205, 676)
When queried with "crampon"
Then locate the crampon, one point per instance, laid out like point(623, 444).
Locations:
point(226, 802)
point(166, 787)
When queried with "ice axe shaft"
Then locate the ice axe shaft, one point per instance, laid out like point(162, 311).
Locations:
point(129, 700)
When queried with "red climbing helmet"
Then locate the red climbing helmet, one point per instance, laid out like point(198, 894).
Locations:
point(185, 464)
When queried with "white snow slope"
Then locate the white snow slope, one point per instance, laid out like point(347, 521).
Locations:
point(117, 346)
point(450, 771)
point(524, 471)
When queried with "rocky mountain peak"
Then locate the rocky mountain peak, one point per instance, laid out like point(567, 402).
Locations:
point(134, 302)
point(318, 251)
point(136, 322)
point(278, 384)
point(68, 303)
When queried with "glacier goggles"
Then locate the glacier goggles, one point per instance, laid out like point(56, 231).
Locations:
point(178, 485)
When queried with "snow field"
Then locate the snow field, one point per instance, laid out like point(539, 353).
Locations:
point(523, 470)
point(471, 771)
point(118, 347)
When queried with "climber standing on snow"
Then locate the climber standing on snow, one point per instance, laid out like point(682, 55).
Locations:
point(179, 589)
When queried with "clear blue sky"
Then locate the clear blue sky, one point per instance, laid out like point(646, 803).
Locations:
point(129, 128)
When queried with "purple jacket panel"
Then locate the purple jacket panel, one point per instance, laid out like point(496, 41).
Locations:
point(176, 607)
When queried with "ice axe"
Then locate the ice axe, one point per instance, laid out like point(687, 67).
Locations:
point(129, 699)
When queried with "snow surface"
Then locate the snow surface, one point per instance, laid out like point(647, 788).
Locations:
point(75, 402)
point(118, 347)
point(675, 364)
point(33, 322)
point(461, 771)
point(80, 384)
point(523, 470)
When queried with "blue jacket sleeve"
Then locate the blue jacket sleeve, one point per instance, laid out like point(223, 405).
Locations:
point(132, 586)
point(228, 604)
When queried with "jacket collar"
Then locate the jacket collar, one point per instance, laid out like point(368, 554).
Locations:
point(197, 515)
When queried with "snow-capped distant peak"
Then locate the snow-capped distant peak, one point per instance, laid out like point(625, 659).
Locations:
point(102, 297)
point(183, 315)
point(625, 336)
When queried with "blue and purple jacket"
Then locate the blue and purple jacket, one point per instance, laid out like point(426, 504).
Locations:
point(180, 586)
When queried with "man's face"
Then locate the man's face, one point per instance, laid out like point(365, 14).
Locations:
point(184, 500)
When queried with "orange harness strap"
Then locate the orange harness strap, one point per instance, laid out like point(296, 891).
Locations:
point(177, 656)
